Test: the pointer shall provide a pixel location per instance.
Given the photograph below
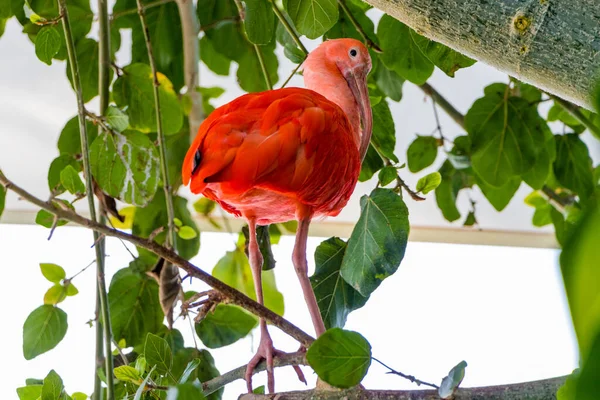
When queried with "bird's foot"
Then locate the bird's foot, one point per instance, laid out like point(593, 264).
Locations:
point(267, 352)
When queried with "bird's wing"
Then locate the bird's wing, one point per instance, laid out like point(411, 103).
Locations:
point(267, 140)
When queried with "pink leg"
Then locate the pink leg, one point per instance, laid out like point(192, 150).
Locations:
point(265, 350)
point(301, 267)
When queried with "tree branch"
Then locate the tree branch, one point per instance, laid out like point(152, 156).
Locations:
point(211, 386)
point(553, 50)
point(191, 57)
point(236, 297)
point(538, 390)
point(72, 57)
point(575, 111)
point(170, 242)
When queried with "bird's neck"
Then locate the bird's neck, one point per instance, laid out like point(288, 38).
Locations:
point(332, 85)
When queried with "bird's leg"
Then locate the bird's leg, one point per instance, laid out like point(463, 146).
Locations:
point(265, 348)
point(301, 267)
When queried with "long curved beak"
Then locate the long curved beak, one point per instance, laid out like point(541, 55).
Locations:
point(358, 85)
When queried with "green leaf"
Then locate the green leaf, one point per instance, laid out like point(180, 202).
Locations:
point(204, 372)
point(158, 353)
point(47, 43)
point(226, 325)
point(499, 197)
point(215, 61)
point(336, 299)
point(389, 82)
point(134, 307)
point(341, 358)
point(87, 56)
point(44, 328)
point(573, 165)
point(537, 176)
point(189, 368)
point(507, 136)
point(69, 178)
point(53, 388)
point(117, 119)
point(69, 141)
point(588, 384)
point(249, 73)
point(459, 155)
point(79, 396)
point(10, 8)
point(204, 206)
point(134, 90)
point(578, 260)
point(453, 181)
point(173, 337)
point(378, 241)
point(371, 164)
point(384, 131)
point(470, 220)
point(46, 219)
point(56, 294)
point(429, 182)
point(344, 28)
point(54, 273)
point(125, 166)
point(234, 270)
point(387, 175)
point(185, 391)
point(209, 93)
point(29, 392)
point(312, 18)
point(452, 380)
point(402, 51)
point(558, 113)
point(187, 233)
point(446, 59)
point(259, 21)
point(125, 373)
point(56, 167)
point(528, 92)
point(226, 35)
point(421, 153)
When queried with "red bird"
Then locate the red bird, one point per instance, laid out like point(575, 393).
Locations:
point(288, 154)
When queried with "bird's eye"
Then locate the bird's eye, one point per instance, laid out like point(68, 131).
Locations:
point(353, 53)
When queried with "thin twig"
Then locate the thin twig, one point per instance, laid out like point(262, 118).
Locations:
point(81, 271)
point(261, 60)
point(359, 28)
point(288, 27)
point(135, 10)
point(212, 25)
point(162, 150)
point(575, 111)
point(235, 297)
point(102, 296)
point(405, 376)
point(456, 115)
point(292, 74)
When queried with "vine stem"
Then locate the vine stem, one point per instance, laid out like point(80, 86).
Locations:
point(359, 28)
point(575, 111)
point(99, 248)
point(235, 296)
point(288, 27)
point(170, 242)
point(259, 55)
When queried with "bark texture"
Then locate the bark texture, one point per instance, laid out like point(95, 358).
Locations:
point(537, 390)
point(552, 44)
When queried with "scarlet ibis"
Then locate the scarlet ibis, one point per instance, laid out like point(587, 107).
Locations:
point(288, 154)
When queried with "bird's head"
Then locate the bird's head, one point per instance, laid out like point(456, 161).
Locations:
point(349, 60)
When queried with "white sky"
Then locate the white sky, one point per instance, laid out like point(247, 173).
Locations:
point(501, 309)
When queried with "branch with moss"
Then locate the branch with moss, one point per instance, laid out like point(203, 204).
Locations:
point(235, 297)
point(76, 79)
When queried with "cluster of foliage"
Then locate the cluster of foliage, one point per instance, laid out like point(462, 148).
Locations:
point(507, 143)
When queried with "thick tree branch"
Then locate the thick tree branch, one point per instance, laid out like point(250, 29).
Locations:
point(235, 296)
point(536, 390)
point(87, 171)
point(191, 57)
point(550, 44)
point(298, 358)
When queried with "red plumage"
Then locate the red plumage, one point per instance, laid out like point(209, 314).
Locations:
point(275, 155)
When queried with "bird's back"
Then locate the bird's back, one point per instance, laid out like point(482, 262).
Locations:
point(285, 148)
